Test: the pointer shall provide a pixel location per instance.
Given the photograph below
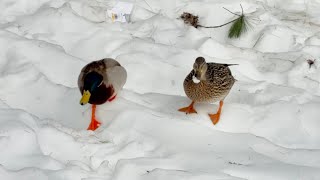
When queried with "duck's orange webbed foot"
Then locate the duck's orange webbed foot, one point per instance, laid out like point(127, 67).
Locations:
point(189, 109)
point(94, 124)
point(216, 117)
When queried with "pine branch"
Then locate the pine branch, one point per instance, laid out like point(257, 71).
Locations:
point(231, 12)
point(239, 26)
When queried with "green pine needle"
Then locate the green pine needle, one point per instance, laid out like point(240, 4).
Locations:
point(238, 27)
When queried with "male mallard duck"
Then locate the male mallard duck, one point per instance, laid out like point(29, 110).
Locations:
point(99, 82)
point(215, 82)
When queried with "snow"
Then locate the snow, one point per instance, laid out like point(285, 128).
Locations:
point(269, 127)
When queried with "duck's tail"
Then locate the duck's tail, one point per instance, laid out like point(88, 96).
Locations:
point(230, 64)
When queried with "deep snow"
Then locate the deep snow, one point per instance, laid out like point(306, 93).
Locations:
point(269, 127)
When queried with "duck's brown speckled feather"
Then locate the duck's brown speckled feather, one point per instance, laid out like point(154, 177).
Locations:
point(217, 85)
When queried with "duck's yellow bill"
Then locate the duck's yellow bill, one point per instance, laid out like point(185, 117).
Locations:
point(85, 97)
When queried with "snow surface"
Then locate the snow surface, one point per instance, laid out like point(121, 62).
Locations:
point(270, 121)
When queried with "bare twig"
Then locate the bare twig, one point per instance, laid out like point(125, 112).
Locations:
point(219, 25)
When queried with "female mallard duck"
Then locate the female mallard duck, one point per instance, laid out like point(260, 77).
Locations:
point(215, 82)
point(99, 82)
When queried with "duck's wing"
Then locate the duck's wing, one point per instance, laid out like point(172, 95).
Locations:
point(116, 74)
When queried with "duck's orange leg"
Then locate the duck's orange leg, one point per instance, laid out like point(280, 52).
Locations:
point(94, 123)
point(216, 117)
point(189, 109)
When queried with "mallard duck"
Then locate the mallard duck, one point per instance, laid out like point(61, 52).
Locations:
point(99, 82)
point(214, 83)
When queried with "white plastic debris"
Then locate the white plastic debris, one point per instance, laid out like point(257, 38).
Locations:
point(120, 12)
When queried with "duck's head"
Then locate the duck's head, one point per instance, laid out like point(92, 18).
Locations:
point(200, 68)
point(91, 82)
